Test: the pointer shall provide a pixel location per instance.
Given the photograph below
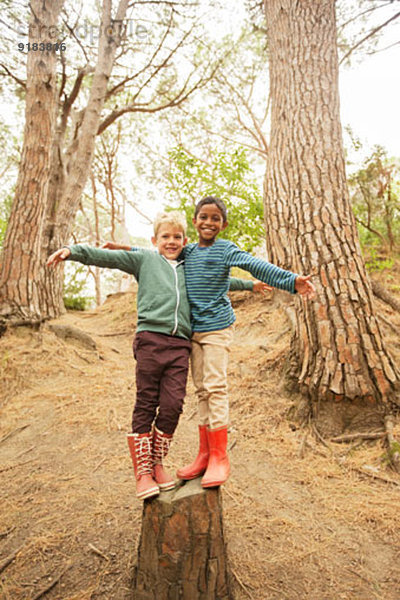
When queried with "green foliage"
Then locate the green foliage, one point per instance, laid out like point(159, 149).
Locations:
point(74, 286)
point(375, 197)
point(9, 159)
point(78, 303)
point(227, 175)
point(375, 262)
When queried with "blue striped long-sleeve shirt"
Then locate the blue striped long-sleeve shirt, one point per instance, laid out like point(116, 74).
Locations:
point(207, 272)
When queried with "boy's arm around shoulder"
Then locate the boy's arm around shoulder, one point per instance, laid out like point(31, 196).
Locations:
point(115, 246)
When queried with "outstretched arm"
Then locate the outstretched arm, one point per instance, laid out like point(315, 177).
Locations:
point(126, 261)
point(269, 273)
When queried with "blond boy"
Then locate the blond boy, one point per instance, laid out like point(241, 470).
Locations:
point(161, 346)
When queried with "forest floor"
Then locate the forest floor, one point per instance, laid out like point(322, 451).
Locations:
point(304, 520)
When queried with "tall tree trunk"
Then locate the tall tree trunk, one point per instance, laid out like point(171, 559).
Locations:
point(337, 350)
point(21, 293)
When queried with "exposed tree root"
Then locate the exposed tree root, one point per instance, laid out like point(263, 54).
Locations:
point(350, 437)
point(381, 293)
point(51, 585)
point(66, 332)
point(6, 322)
point(4, 563)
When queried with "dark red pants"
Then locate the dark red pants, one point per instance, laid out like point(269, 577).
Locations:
point(162, 363)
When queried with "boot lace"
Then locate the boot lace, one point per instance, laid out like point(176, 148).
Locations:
point(143, 455)
point(161, 446)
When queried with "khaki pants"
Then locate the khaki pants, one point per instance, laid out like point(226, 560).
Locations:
point(209, 359)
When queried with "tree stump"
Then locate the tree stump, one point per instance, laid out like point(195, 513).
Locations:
point(182, 551)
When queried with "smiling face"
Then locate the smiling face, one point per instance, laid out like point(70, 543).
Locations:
point(208, 222)
point(169, 241)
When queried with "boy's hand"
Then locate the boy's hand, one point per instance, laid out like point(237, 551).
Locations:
point(304, 287)
point(58, 256)
point(260, 286)
point(115, 246)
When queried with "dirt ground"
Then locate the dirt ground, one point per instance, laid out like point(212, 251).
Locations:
point(304, 518)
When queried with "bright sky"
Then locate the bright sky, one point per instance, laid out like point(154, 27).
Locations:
point(370, 99)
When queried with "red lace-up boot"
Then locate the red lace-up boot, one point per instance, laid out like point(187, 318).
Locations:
point(140, 449)
point(161, 444)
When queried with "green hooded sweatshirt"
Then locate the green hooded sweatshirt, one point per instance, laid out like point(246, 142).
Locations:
point(162, 303)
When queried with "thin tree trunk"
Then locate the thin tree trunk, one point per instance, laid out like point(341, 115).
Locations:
point(70, 168)
point(97, 270)
point(21, 292)
point(337, 350)
point(79, 164)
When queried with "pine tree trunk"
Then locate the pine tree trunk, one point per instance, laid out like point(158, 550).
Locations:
point(337, 351)
point(182, 552)
point(21, 295)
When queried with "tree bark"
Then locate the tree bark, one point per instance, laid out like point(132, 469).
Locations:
point(182, 551)
point(21, 294)
point(337, 351)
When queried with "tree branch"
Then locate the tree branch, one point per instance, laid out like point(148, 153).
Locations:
point(163, 64)
point(365, 12)
point(369, 35)
point(122, 83)
point(9, 74)
point(380, 236)
point(69, 101)
point(179, 98)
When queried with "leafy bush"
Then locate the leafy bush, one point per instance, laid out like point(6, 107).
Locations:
point(77, 302)
point(375, 194)
point(74, 286)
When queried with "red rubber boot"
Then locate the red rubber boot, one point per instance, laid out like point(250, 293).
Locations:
point(218, 464)
point(140, 449)
point(161, 444)
point(199, 465)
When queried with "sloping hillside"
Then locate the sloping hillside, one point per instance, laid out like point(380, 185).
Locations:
point(305, 519)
